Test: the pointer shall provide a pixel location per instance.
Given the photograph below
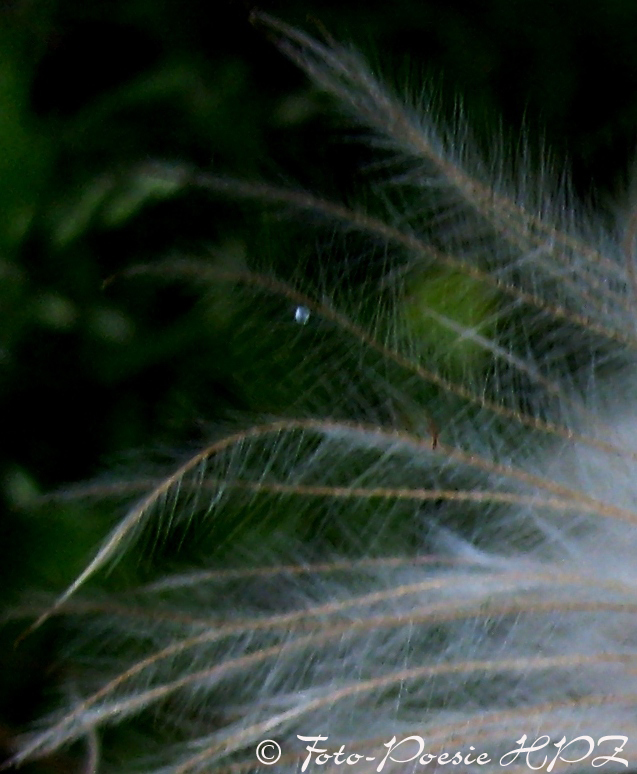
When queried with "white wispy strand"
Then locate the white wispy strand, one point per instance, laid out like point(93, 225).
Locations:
point(505, 603)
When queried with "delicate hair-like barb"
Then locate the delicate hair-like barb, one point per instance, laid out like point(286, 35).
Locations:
point(435, 540)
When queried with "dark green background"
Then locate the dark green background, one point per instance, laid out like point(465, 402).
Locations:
point(91, 93)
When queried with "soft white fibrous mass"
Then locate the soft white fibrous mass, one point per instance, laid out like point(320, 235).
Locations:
point(447, 539)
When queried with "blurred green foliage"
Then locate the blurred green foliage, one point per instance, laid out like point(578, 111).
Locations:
point(94, 96)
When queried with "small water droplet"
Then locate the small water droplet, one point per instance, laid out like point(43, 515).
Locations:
point(301, 315)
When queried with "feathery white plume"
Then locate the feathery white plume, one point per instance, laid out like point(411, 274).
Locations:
point(463, 511)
